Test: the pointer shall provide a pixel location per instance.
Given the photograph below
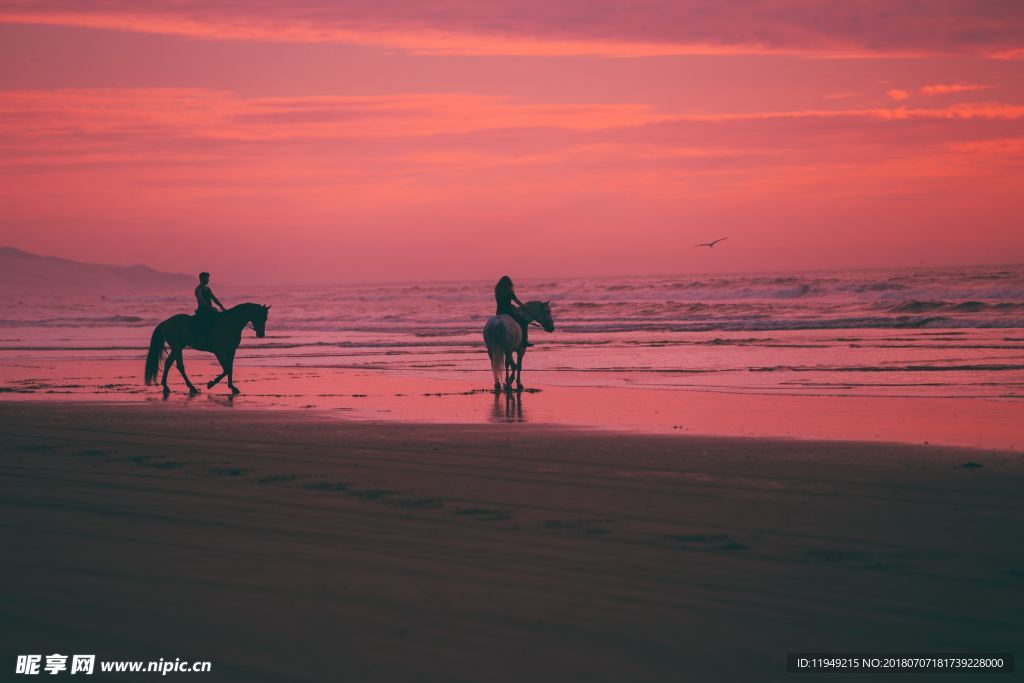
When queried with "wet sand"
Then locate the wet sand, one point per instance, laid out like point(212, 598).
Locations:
point(990, 422)
point(285, 546)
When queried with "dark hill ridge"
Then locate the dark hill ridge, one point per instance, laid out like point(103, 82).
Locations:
point(20, 270)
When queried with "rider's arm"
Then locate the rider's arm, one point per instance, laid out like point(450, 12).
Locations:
point(215, 300)
point(516, 299)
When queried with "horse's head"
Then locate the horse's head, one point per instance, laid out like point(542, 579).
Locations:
point(541, 312)
point(259, 319)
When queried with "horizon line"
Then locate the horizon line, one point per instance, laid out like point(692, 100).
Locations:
point(321, 283)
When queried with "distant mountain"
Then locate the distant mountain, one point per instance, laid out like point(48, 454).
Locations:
point(22, 271)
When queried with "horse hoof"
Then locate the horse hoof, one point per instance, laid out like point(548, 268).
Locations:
point(235, 391)
point(167, 390)
point(192, 391)
point(519, 388)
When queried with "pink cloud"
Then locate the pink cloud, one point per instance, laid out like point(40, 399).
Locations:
point(95, 120)
point(538, 27)
point(260, 122)
point(208, 140)
point(1010, 54)
point(946, 89)
point(349, 177)
point(78, 113)
point(897, 94)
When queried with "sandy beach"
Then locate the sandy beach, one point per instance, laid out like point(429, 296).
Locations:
point(264, 266)
point(285, 546)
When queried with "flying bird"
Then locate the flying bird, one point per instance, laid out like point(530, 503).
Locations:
point(711, 244)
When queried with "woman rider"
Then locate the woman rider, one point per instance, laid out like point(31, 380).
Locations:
point(504, 295)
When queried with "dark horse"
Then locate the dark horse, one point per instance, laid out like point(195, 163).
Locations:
point(222, 341)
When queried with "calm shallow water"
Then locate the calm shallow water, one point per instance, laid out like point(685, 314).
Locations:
point(948, 332)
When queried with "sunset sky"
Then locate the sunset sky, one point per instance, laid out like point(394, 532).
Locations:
point(386, 139)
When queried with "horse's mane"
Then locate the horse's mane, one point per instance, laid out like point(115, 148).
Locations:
point(240, 307)
point(534, 306)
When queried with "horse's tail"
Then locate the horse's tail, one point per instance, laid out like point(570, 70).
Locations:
point(496, 351)
point(498, 363)
point(155, 355)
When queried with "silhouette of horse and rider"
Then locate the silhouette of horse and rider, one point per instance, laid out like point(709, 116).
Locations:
point(217, 332)
point(506, 334)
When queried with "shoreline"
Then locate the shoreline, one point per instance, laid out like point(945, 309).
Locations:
point(157, 408)
point(280, 545)
point(383, 395)
point(177, 404)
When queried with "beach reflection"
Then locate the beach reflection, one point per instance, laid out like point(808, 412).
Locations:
point(226, 400)
point(185, 397)
point(375, 395)
point(165, 396)
point(508, 408)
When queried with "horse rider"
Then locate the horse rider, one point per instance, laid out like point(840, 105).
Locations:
point(206, 315)
point(505, 295)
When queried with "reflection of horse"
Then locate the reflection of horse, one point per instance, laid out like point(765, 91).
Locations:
point(508, 407)
point(503, 336)
point(222, 341)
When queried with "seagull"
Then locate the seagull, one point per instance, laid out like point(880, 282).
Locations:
point(711, 244)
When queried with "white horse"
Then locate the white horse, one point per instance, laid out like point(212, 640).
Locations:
point(503, 336)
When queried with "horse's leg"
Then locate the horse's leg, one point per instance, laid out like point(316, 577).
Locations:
point(167, 368)
point(223, 366)
point(519, 368)
point(231, 372)
point(179, 361)
point(497, 360)
point(509, 370)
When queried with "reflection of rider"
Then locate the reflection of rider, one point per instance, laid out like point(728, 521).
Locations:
point(504, 295)
point(206, 315)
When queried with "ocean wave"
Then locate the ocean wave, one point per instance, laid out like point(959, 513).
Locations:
point(998, 367)
point(918, 306)
point(907, 315)
point(770, 324)
point(941, 298)
point(732, 319)
point(914, 306)
point(77, 321)
point(878, 287)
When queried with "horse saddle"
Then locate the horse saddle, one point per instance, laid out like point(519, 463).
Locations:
point(201, 326)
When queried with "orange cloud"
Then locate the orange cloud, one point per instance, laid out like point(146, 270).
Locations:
point(869, 28)
point(946, 89)
point(973, 110)
point(208, 140)
point(427, 41)
point(897, 95)
point(88, 119)
point(347, 177)
point(1013, 147)
point(226, 116)
point(1009, 55)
